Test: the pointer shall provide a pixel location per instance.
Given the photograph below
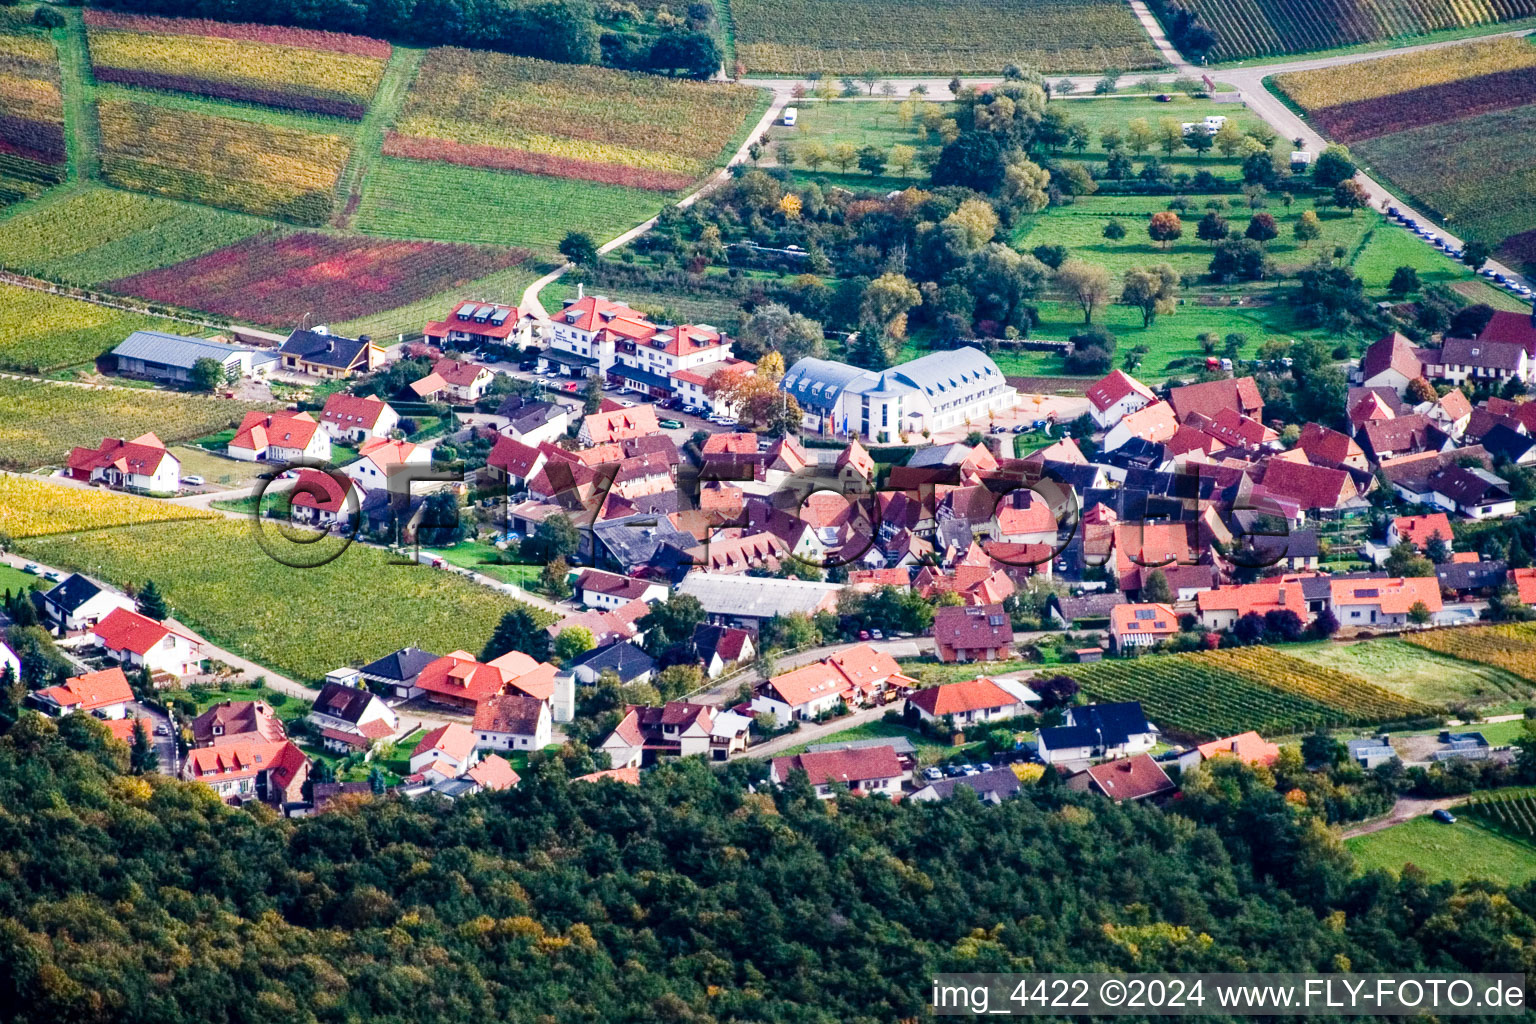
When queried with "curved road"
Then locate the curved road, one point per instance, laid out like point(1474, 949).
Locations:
point(1249, 81)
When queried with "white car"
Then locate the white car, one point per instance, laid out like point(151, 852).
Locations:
point(627, 404)
point(193, 481)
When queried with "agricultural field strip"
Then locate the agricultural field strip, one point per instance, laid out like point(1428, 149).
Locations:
point(35, 508)
point(33, 149)
point(1389, 76)
point(1511, 646)
point(1214, 693)
point(1511, 815)
point(41, 331)
point(225, 586)
point(40, 421)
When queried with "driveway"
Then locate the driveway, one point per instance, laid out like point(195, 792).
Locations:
point(165, 745)
point(813, 733)
point(1406, 809)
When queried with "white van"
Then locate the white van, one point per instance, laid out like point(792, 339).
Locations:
point(790, 114)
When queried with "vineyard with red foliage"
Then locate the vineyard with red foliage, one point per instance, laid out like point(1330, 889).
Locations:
point(237, 91)
point(275, 279)
point(275, 35)
point(1434, 104)
point(32, 153)
point(497, 159)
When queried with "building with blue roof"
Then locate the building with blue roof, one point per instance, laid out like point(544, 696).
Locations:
point(935, 392)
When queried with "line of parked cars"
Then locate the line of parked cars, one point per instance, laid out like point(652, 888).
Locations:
point(1508, 284)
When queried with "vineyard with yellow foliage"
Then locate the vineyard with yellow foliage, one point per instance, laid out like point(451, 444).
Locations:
point(1343, 83)
point(264, 169)
point(494, 110)
point(37, 508)
point(271, 67)
point(40, 331)
point(40, 422)
point(32, 152)
point(1511, 646)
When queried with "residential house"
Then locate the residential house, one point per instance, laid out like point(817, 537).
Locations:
point(1371, 752)
point(136, 641)
point(471, 324)
point(1141, 625)
point(855, 468)
point(1116, 397)
point(156, 355)
point(1391, 362)
point(861, 771)
point(457, 680)
point(620, 425)
point(1474, 493)
point(448, 751)
point(142, 465)
point(974, 633)
point(319, 499)
point(1155, 423)
point(622, 776)
point(1524, 581)
point(1308, 488)
point(350, 419)
point(581, 342)
point(975, 700)
point(1211, 397)
point(1382, 602)
point(1450, 413)
point(647, 355)
point(1419, 530)
point(514, 463)
point(677, 729)
point(379, 459)
point(693, 387)
point(492, 773)
point(1325, 447)
point(1402, 435)
point(453, 380)
point(397, 674)
point(625, 660)
point(533, 423)
point(721, 648)
point(1505, 442)
point(991, 787)
point(1128, 778)
point(1220, 609)
point(1248, 747)
point(272, 772)
point(77, 603)
point(279, 437)
point(597, 589)
point(105, 694)
point(1469, 578)
point(1098, 731)
point(1482, 362)
point(513, 721)
point(320, 353)
point(351, 719)
point(237, 721)
point(801, 695)
point(1141, 547)
point(606, 627)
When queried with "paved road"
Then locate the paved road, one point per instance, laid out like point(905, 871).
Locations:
point(813, 733)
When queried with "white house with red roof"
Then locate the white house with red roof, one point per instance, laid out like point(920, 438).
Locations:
point(454, 380)
point(1419, 530)
point(142, 464)
point(351, 418)
point(271, 771)
point(1382, 602)
point(1141, 625)
point(1116, 397)
point(493, 772)
point(857, 770)
point(105, 693)
point(472, 323)
point(583, 336)
point(513, 721)
point(980, 632)
point(974, 700)
point(647, 364)
point(319, 499)
point(1155, 423)
point(135, 640)
point(692, 386)
point(279, 437)
point(448, 751)
point(618, 425)
point(379, 459)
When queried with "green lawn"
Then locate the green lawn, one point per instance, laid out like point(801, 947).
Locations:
point(1416, 672)
point(13, 580)
point(1454, 853)
point(217, 469)
point(1387, 248)
point(274, 503)
point(287, 708)
point(857, 122)
point(476, 554)
point(928, 750)
point(418, 199)
point(930, 673)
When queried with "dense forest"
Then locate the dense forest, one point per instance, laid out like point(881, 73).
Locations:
point(688, 898)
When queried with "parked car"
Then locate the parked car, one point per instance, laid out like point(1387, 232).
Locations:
point(1019, 428)
point(985, 766)
point(863, 634)
point(193, 481)
point(53, 576)
point(626, 403)
point(876, 634)
point(932, 774)
point(31, 568)
point(671, 424)
point(1445, 817)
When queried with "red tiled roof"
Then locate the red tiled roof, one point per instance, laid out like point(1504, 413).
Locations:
point(244, 759)
point(1394, 596)
point(92, 691)
point(460, 675)
point(1525, 584)
point(439, 328)
point(493, 772)
point(319, 490)
point(285, 430)
point(346, 410)
point(808, 683)
point(1131, 778)
point(859, 764)
point(1514, 328)
point(1249, 747)
point(606, 427)
point(1156, 422)
point(955, 698)
point(976, 627)
point(1454, 404)
point(1311, 487)
point(514, 713)
point(862, 665)
point(1116, 386)
point(386, 452)
point(628, 776)
point(453, 739)
point(1419, 529)
point(124, 630)
point(593, 312)
point(1261, 597)
point(1212, 396)
point(1394, 352)
point(457, 372)
point(1324, 445)
point(1143, 619)
point(512, 457)
point(141, 456)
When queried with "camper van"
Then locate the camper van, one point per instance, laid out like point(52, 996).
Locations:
point(790, 114)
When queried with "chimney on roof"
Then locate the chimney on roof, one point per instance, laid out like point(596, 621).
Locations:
point(581, 292)
point(365, 338)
